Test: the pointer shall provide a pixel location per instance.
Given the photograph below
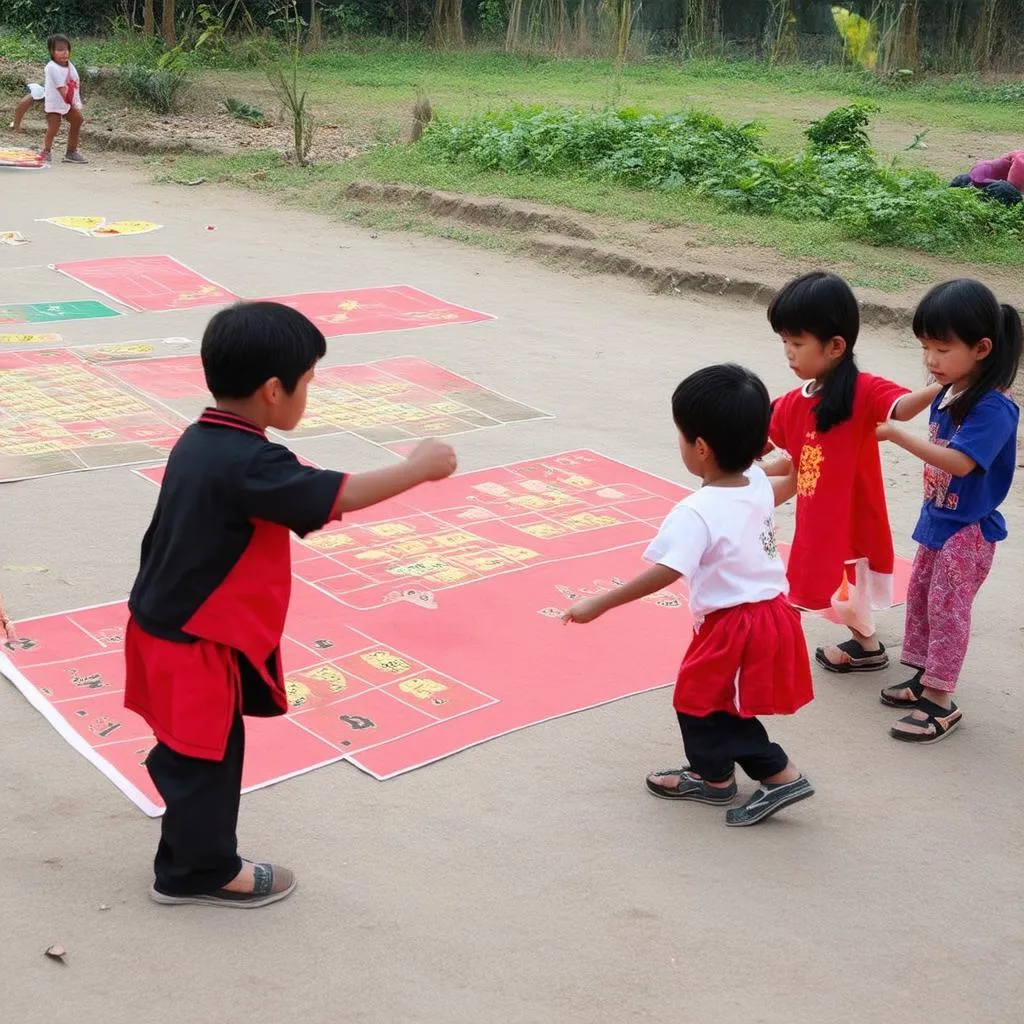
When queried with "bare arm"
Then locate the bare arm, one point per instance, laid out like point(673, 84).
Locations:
point(949, 460)
point(778, 467)
point(430, 460)
point(650, 581)
point(783, 486)
point(916, 402)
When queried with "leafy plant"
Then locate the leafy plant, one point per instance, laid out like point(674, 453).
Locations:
point(291, 90)
point(245, 111)
point(836, 178)
point(843, 130)
point(159, 89)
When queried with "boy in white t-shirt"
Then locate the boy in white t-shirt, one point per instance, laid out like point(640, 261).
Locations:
point(748, 655)
point(62, 98)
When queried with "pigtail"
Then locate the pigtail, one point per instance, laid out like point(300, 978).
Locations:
point(1011, 341)
point(835, 404)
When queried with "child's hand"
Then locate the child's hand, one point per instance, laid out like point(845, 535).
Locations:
point(585, 611)
point(6, 626)
point(885, 431)
point(434, 459)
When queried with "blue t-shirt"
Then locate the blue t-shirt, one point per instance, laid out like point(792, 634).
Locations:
point(989, 436)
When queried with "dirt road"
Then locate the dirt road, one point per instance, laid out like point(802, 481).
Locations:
point(530, 879)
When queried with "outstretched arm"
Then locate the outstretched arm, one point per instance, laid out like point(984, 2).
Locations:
point(430, 460)
point(916, 402)
point(650, 581)
point(949, 460)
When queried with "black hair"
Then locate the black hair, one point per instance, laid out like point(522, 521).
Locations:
point(247, 344)
point(53, 41)
point(727, 406)
point(824, 306)
point(967, 311)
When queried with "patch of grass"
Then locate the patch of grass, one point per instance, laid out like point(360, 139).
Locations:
point(322, 188)
point(835, 179)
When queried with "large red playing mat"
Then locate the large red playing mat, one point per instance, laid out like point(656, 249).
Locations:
point(150, 283)
point(58, 414)
point(431, 627)
point(373, 310)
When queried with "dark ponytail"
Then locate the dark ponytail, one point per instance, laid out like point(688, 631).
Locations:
point(823, 305)
point(965, 310)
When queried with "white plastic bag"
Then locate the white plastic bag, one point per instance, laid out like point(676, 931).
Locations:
point(852, 601)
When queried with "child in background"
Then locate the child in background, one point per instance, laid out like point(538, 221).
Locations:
point(972, 347)
point(748, 655)
point(827, 428)
point(62, 99)
point(33, 94)
point(209, 603)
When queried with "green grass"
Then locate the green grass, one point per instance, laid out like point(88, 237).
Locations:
point(322, 188)
point(368, 90)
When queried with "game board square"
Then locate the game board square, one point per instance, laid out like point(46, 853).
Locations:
point(362, 721)
point(76, 678)
point(104, 718)
point(438, 695)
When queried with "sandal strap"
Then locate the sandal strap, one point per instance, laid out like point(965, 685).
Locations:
point(915, 687)
point(854, 650)
point(937, 715)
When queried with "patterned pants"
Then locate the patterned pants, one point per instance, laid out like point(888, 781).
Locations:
point(942, 588)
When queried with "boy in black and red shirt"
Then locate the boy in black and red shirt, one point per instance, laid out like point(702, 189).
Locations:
point(208, 606)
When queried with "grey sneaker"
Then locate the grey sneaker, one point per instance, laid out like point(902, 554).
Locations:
point(769, 799)
point(74, 157)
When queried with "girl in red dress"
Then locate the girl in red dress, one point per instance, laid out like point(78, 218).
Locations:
point(827, 428)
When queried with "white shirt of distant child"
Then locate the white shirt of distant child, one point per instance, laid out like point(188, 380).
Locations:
point(58, 77)
point(722, 540)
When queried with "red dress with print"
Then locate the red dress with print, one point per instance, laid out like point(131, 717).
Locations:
point(840, 503)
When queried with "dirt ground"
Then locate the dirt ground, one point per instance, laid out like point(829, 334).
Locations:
point(530, 879)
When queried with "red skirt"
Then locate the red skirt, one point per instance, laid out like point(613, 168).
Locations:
point(748, 660)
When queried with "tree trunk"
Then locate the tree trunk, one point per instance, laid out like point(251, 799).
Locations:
point(167, 25)
point(147, 18)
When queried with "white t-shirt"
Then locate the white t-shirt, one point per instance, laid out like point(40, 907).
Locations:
point(722, 540)
point(57, 77)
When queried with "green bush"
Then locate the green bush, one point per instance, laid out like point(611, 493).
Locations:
point(159, 89)
point(836, 178)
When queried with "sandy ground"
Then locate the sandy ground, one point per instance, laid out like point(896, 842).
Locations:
point(530, 879)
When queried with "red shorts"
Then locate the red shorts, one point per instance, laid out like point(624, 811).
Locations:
point(748, 660)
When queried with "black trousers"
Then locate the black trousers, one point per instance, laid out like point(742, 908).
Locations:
point(198, 851)
point(716, 743)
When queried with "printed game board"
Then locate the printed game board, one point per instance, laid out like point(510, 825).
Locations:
point(51, 312)
point(100, 227)
point(18, 158)
point(375, 310)
point(427, 627)
point(391, 400)
point(59, 415)
point(361, 682)
point(149, 283)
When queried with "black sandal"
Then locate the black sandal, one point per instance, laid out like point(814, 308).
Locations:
point(689, 787)
point(858, 660)
point(914, 685)
point(941, 720)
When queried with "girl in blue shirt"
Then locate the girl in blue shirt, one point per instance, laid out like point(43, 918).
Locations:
point(972, 348)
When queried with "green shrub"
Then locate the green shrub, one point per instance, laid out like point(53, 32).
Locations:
point(835, 178)
point(159, 89)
